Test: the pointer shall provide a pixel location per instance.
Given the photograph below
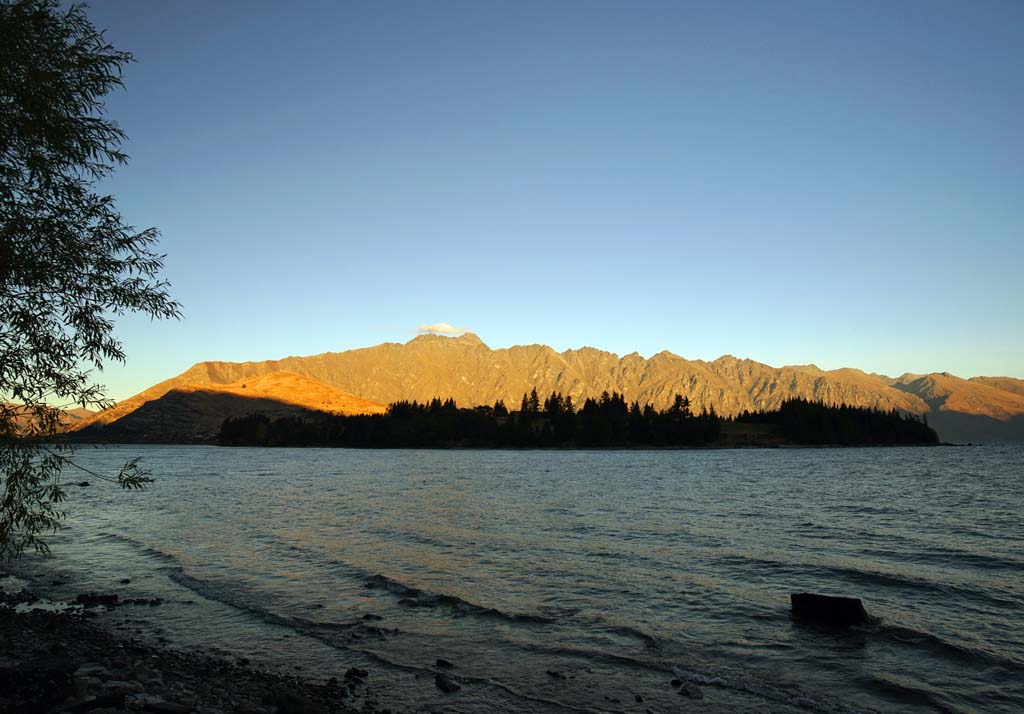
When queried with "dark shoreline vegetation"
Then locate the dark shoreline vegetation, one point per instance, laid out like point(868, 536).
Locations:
point(606, 422)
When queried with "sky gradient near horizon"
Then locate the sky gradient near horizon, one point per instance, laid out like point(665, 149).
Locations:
point(793, 182)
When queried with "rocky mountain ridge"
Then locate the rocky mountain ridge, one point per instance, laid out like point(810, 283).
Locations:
point(466, 369)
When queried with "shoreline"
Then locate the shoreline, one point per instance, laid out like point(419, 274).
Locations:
point(707, 447)
point(60, 657)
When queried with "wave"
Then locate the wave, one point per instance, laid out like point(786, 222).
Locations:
point(791, 695)
point(863, 508)
point(416, 597)
point(941, 647)
point(393, 534)
point(635, 632)
point(238, 599)
point(231, 596)
point(142, 548)
point(878, 577)
point(874, 578)
point(952, 558)
point(907, 694)
point(466, 678)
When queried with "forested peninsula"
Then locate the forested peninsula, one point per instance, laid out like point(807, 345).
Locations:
point(606, 422)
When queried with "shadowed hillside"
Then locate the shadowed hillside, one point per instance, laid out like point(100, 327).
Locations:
point(468, 371)
point(195, 412)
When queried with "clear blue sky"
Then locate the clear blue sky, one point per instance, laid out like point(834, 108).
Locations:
point(794, 182)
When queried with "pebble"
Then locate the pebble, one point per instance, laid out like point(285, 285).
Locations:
point(158, 706)
point(290, 703)
point(251, 708)
point(692, 691)
point(356, 674)
point(88, 683)
point(120, 686)
point(91, 669)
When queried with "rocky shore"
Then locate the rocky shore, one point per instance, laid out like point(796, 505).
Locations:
point(68, 657)
point(59, 659)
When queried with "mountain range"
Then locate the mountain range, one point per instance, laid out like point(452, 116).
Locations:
point(191, 405)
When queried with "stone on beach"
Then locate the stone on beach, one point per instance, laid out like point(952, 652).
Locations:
point(159, 706)
point(692, 691)
point(356, 674)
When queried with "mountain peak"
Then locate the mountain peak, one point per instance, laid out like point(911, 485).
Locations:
point(466, 338)
point(470, 338)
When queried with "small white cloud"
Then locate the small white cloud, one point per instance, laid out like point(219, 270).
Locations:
point(441, 328)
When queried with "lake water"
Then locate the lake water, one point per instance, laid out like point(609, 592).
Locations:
point(614, 570)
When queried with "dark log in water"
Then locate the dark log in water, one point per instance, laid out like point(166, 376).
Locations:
point(828, 610)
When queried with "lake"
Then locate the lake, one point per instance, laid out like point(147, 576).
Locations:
point(582, 580)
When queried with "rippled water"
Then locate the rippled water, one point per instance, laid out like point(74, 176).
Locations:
point(613, 569)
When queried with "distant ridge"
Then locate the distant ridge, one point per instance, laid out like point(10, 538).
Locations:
point(1007, 384)
point(467, 370)
point(70, 418)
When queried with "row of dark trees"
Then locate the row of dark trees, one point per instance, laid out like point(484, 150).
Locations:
point(805, 422)
point(555, 422)
point(609, 421)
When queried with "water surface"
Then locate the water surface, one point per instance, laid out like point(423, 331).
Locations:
point(577, 580)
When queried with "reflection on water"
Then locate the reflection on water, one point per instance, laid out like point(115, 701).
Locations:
point(581, 578)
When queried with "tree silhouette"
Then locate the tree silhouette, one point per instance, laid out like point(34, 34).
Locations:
point(68, 262)
point(604, 422)
point(533, 404)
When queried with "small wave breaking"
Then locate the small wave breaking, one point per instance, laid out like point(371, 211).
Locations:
point(416, 597)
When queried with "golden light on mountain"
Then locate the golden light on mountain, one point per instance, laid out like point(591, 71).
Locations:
point(467, 370)
point(194, 412)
